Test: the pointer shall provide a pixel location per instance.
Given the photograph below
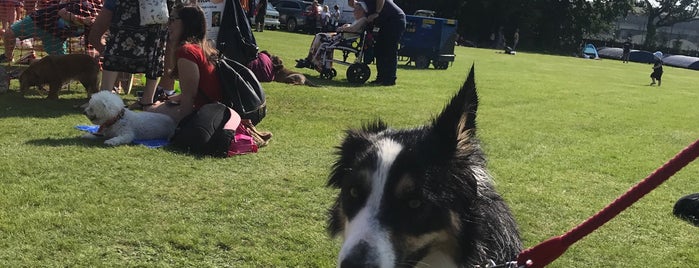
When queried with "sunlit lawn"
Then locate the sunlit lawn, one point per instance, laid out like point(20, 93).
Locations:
point(564, 136)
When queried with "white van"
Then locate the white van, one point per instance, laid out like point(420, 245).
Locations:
point(345, 10)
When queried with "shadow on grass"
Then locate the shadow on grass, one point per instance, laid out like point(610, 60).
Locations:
point(339, 81)
point(405, 66)
point(14, 104)
point(87, 143)
point(73, 141)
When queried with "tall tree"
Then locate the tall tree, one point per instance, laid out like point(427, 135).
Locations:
point(665, 13)
point(552, 25)
point(561, 25)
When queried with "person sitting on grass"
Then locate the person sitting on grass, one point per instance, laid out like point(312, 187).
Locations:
point(194, 58)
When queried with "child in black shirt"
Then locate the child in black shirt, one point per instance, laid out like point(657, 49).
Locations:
point(657, 68)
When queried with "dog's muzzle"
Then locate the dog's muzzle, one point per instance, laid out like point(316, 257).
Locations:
point(91, 117)
point(361, 255)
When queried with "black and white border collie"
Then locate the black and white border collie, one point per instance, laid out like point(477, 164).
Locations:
point(420, 197)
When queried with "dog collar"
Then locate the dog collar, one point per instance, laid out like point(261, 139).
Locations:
point(111, 122)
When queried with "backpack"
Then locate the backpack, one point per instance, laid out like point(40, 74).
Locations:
point(242, 91)
point(213, 131)
point(235, 38)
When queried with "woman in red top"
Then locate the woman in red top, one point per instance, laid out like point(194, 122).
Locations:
point(194, 56)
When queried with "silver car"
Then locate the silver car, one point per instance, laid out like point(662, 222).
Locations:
point(294, 14)
point(271, 18)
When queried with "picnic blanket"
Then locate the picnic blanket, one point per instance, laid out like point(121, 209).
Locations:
point(155, 143)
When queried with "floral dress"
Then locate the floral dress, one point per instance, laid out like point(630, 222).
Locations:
point(132, 48)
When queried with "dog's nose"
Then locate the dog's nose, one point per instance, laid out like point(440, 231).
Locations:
point(361, 256)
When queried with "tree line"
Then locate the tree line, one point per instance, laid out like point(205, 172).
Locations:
point(552, 25)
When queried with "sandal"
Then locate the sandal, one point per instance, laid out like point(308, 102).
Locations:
point(116, 90)
point(261, 137)
point(162, 95)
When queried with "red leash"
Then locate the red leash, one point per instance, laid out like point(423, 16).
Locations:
point(549, 250)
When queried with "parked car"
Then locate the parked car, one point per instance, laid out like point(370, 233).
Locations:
point(294, 14)
point(271, 18)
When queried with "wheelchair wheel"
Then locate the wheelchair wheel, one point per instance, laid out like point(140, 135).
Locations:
point(328, 74)
point(440, 65)
point(358, 73)
point(421, 62)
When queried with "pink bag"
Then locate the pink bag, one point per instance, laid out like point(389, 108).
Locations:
point(242, 143)
point(247, 138)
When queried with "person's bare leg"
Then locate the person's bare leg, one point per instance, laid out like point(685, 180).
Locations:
point(108, 80)
point(149, 92)
point(9, 40)
point(167, 83)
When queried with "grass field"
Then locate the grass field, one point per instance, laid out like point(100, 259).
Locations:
point(564, 136)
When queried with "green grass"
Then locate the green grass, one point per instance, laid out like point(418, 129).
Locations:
point(564, 136)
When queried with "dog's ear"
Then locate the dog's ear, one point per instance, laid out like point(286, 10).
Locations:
point(277, 63)
point(22, 73)
point(47, 60)
point(354, 148)
point(457, 122)
point(452, 138)
point(101, 106)
point(44, 65)
point(26, 74)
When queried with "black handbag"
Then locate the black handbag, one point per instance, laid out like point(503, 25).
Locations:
point(202, 132)
point(241, 90)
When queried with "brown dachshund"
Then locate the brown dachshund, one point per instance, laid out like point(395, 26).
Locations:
point(57, 70)
point(285, 75)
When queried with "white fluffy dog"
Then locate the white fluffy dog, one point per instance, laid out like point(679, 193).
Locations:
point(120, 125)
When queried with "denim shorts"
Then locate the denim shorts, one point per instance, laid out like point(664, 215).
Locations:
point(26, 28)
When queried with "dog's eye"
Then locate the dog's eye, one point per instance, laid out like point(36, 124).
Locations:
point(414, 203)
point(354, 192)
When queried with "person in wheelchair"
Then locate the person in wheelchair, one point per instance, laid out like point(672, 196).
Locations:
point(343, 33)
